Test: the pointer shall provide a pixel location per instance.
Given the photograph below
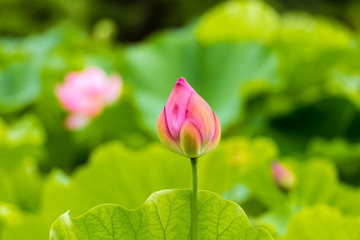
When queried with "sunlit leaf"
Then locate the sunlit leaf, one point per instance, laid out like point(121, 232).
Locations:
point(239, 21)
point(165, 215)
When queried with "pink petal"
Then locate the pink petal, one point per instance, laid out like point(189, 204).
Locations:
point(216, 137)
point(176, 106)
point(94, 80)
point(164, 134)
point(91, 106)
point(201, 115)
point(67, 97)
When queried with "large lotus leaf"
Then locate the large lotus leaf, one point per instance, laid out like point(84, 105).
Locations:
point(217, 72)
point(165, 215)
point(239, 21)
point(322, 223)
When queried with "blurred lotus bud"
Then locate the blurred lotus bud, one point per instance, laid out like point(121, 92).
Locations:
point(187, 125)
point(85, 94)
point(283, 177)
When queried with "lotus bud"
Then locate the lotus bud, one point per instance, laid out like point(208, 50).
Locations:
point(283, 177)
point(187, 125)
point(85, 94)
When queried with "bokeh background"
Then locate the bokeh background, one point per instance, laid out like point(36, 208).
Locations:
point(282, 76)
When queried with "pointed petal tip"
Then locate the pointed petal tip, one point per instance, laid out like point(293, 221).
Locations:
point(181, 80)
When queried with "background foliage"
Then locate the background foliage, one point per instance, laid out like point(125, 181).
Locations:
point(283, 78)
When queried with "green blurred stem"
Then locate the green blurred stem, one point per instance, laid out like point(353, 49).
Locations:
point(195, 185)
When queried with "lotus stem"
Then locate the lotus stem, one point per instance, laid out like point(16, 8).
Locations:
point(194, 211)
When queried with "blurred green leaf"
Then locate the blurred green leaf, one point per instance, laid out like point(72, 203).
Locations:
point(20, 179)
point(276, 220)
point(322, 222)
point(344, 154)
point(316, 181)
point(235, 21)
point(316, 184)
point(21, 182)
point(347, 200)
point(10, 215)
point(217, 72)
point(19, 86)
point(154, 169)
point(25, 131)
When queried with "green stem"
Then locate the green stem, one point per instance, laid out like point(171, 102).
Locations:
point(194, 213)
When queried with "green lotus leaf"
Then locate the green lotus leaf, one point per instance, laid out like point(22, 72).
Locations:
point(165, 215)
point(239, 21)
point(322, 222)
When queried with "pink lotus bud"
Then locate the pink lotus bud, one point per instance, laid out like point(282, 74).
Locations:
point(283, 177)
point(86, 93)
point(187, 125)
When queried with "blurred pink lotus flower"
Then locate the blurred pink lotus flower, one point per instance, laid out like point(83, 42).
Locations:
point(187, 125)
point(85, 94)
point(283, 177)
